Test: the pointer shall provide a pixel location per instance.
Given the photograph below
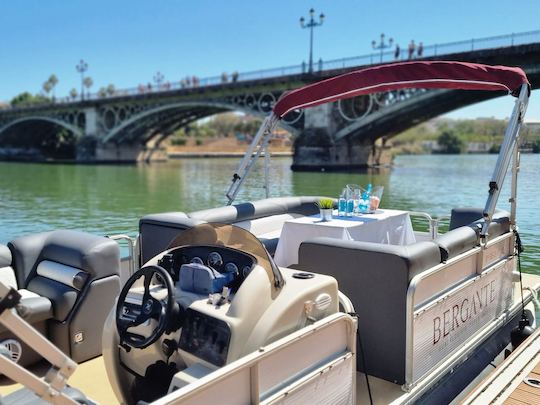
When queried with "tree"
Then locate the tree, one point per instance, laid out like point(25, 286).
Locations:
point(450, 143)
point(536, 146)
point(47, 87)
point(53, 80)
point(73, 93)
point(88, 82)
point(102, 92)
point(111, 90)
point(27, 99)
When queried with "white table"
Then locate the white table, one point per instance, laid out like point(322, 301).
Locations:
point(384, 226)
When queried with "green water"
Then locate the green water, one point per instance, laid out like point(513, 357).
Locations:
point(111, 199)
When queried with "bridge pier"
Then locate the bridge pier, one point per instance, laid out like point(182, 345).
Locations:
point(316, 150)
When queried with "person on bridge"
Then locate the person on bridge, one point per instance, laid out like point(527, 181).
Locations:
point(397, 52)
point(412, 46)
point(420, 49)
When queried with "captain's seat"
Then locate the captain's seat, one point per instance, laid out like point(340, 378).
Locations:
point(68, 281)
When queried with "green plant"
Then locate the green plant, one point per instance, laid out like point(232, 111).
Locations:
point(198, 142)
point(325, 203)
point(178, 141)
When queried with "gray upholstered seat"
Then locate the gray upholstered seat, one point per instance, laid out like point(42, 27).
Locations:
point(158, 230)
point(474, 217)
point(375, 277)
point(73, 280)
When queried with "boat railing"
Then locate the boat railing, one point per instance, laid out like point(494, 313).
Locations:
point(131, 244)
point(433, 223)
point(463, 275)
point(314, 364)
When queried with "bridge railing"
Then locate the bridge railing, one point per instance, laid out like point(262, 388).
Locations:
point(432, 50)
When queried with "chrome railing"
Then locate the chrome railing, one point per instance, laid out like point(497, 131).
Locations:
point(433, 223)
point(131, 245)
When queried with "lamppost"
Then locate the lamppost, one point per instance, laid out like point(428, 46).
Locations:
point(382, 46)
point(311, 24)
point(81, 68)
point(158, 78)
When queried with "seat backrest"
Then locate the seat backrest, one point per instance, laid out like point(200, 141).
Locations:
point(464, 216)
point(158, 230)
point(375, 277)
point(80, 274)
point(96, 255)
point(473, 217)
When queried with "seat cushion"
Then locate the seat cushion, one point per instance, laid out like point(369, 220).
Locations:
point(33, 308)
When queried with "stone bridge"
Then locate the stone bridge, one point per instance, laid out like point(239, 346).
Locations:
point(334, 136)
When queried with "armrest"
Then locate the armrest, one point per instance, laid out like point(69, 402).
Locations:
point(70, 276)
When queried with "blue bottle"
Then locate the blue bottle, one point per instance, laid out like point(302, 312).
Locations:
point(350, 203)
point(364, 201)
point(342, 203)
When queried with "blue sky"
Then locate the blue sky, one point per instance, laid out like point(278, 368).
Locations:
point(127, 42)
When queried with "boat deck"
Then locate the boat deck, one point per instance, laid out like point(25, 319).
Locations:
point(90, 378)
point(506, 384)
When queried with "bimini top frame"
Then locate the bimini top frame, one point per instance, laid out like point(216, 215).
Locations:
point(426, 75)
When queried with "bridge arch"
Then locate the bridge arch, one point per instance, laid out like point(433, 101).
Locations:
point(177, 108)
point(76, 130)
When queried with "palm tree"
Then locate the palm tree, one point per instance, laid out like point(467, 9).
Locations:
point(111, 90)
point(102, 92)
point(53, 80)
point(88, 82)
point(73, 93)
point(47, 87)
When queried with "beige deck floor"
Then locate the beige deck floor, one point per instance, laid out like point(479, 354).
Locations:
point(90, 377)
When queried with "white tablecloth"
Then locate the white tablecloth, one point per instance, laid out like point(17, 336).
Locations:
point(384, 226)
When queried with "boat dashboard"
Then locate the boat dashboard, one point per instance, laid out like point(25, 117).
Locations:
point(235, 264)
point(205, 302)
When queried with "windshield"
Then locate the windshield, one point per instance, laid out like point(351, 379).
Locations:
point(215, 234)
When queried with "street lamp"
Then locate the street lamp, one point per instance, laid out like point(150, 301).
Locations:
point(81, 68)
point(158, 78)
point(382, 46)
point(311, 24)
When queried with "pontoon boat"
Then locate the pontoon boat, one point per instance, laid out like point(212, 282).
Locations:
point(209, 309)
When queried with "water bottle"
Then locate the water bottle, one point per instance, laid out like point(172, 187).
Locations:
point(350, 203)
point(364, 202)
point(342, 203)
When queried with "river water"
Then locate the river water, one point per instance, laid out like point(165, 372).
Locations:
point(110, 199)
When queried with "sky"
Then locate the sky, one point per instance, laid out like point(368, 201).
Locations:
point(126, 42)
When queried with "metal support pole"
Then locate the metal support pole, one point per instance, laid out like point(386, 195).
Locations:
point(513, 189)
point(509, 146)
point(266, 170)
point(260, 141)
point(311, 47)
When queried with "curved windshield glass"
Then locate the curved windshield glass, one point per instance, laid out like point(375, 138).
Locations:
point(215, 234)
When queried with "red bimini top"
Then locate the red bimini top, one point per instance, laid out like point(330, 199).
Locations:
point(425, 75)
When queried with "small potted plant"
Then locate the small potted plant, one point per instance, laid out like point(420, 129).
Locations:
point(325, 207)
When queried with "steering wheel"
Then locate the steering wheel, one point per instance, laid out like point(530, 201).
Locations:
point(129, 315)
